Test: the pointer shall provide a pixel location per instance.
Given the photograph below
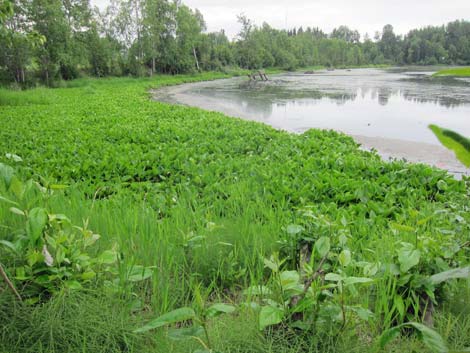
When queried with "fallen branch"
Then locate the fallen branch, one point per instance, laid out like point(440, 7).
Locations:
point(9, 283)
point(308, 283)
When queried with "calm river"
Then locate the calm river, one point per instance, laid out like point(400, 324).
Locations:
point(388, 110)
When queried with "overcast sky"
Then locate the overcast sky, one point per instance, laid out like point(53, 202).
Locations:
point(363, 15)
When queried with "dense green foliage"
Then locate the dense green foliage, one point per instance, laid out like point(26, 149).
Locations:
point(49, 41)
point(457, 72)
point(215, 208)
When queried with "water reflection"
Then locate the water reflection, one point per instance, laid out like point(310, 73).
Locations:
point(377, 103)
point(258, 96)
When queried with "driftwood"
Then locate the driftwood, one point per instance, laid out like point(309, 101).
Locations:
point(252, 77)
point(262, 75)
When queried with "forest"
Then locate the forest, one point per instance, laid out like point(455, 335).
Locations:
point(46, 41)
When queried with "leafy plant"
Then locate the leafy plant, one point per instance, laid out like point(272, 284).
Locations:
point(191, 324)
point(314, 295)
point(420, 271)
point(47, 252)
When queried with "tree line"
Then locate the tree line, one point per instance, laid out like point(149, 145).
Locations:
point(46, 41)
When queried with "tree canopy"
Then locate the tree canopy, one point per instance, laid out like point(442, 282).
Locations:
point(45, 41)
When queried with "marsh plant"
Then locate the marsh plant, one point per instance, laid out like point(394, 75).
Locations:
point(47, 254)
point(191, 324)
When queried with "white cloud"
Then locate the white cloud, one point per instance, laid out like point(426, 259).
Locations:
point(363, 15)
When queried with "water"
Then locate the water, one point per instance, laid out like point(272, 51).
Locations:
point(389, 110)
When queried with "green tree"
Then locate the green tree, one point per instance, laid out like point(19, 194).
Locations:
point(346, 34)
point(388, 44)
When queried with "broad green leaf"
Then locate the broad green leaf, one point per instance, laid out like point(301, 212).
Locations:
point(59, 217)
point(343, 239)
point(289, 279)
point(408, 257)
point(399, 305)
point(270, 315)
point(442, 185)
point(185, 333)
point(178, 315)
point(73, 285)
point(294, 229)
point(91, 239)
point(20, 274)
point(6, 174)
point(31, 301)
point(17, 187)
point(4, 199)
point(334, 277)
point(37, 221)
point(33, 257)
point(430, 338)
point(300, 325)
point(14, 157)
point(88, 275)
point(371, 269)
point(463, 272)
point(345, 258)
point(220, 308)
point(363, 313)
point(322, 246)
point(108, 257)
point(271, 263)
point(354, 280)
point(138, 273)
point(17, 211)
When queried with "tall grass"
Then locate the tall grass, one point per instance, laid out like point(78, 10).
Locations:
point(38, 96)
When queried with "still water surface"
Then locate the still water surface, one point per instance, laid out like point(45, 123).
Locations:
point(385, 105)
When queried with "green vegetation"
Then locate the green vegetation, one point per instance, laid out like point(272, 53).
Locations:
point(457, 72)
point(44, 43)
point(455, 142)
point(216, 234)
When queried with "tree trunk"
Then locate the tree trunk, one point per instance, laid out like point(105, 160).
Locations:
point(153, 65)
point(195, 58)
